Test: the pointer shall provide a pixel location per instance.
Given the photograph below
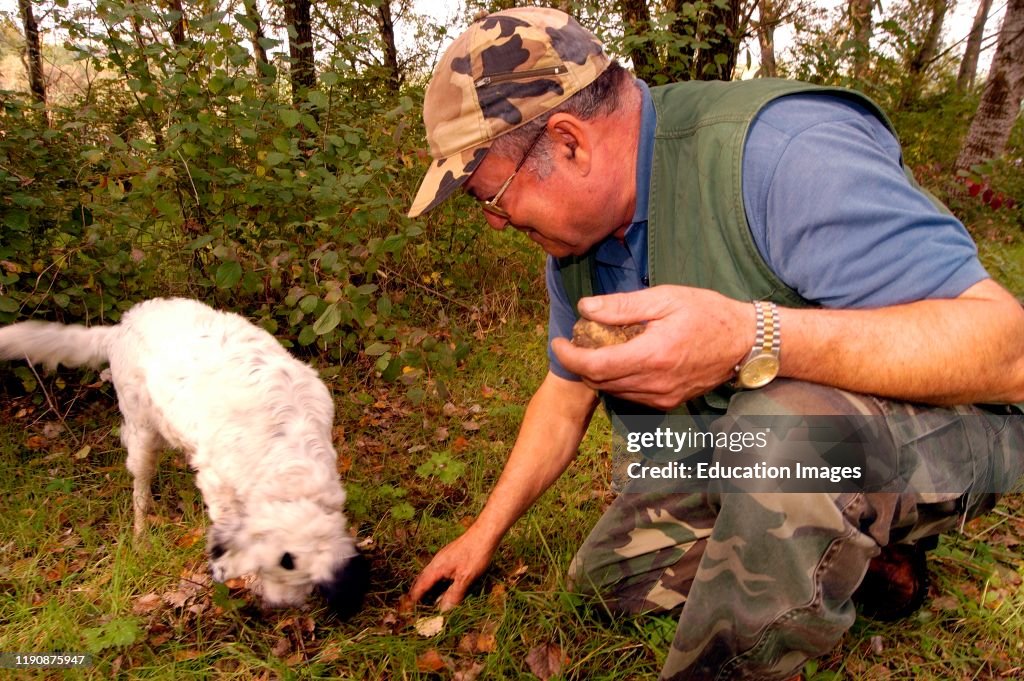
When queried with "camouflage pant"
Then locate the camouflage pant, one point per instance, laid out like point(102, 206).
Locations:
point(764, 580)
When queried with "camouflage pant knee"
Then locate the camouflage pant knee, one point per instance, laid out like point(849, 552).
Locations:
point(763, 580)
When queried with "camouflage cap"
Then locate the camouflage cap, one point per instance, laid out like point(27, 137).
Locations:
point(505, 70)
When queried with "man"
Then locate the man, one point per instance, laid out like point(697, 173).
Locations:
point(680, 205)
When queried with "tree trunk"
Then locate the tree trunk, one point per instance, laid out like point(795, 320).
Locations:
point(300, 46)
point(178, 28)
point(930, 44)
point(921, 59)
point(861, 30)
point(256, 35)
point(33, 52)
point(636, 17)
point(969, 64)
point(709, 65)
point(386, 25)
point(1001, 99)
point(769, 14)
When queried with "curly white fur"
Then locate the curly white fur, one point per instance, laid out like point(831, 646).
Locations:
point(254, 422)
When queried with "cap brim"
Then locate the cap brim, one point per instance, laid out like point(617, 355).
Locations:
point(445, 176)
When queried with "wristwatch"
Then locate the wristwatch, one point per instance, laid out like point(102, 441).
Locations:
point(761, 365)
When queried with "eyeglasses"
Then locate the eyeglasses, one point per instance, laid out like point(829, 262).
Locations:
point(491, 205)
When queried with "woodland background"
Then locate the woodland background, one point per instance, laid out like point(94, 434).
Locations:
point(260, 155)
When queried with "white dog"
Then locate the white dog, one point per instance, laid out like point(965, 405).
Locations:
point(255, 423)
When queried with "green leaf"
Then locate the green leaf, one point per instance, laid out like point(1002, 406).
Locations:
point(377, 349)
point(290, 117)
point(308, 303)
point(403, 511)
point(16, 220)
point(275, 157)
point(228, 274)
point(307, 336)
point(114, 634)
point(8, 304)
point(202, 241)
point(328, 321)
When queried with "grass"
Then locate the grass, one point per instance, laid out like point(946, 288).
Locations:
point(73, 580)
point(417, 467)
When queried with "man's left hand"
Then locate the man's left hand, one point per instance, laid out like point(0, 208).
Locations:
point(693, 341)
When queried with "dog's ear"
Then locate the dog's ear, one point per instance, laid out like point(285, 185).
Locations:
point(345, 591)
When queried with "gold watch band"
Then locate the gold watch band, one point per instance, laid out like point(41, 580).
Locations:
point(761, 364)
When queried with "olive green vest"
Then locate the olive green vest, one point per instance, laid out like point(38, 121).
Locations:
point(697, 228)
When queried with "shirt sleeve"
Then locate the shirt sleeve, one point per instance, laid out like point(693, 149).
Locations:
point(836, 218)
point(561, 317)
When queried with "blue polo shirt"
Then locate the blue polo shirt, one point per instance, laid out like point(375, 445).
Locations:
point(829, 208)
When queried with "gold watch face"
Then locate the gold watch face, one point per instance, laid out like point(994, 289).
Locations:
point(758, 371)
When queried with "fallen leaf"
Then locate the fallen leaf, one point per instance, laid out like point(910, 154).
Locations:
point(428, 627)
point(330, 652)
point(144, 605)
point(470, 426)
point(441, 434)
point(498, 596)
point(430, 661)
point(282, 647)
point(546, 660)
point(470, 673)
point(189, 538)
point(482, 642)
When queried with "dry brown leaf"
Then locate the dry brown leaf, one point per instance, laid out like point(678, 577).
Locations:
point(282, 647)
point(159, 635)
point(468, 673)
point(144, 605)
point(482, 642)
point(189, 538)
point(330, 652)
point(470, 426)
point(546, 660)
point(498, 596)
point(430, 661)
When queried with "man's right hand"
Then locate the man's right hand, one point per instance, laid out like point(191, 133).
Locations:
point(460, 562)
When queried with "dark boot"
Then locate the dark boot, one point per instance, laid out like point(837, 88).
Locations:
point(896, 582)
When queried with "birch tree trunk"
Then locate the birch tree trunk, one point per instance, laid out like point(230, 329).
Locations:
point(1001, 99)
point(969, 64)
point(861, 31)
point(386, 26)
point(33, 53)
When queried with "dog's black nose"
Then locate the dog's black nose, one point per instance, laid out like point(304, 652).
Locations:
point(348, 585)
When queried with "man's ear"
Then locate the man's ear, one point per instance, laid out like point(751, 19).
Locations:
point(571, 137)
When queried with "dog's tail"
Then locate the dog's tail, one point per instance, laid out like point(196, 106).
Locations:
point(50, 344)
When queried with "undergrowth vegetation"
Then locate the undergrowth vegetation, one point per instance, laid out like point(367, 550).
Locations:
point(416, 471)
point(181, 170)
